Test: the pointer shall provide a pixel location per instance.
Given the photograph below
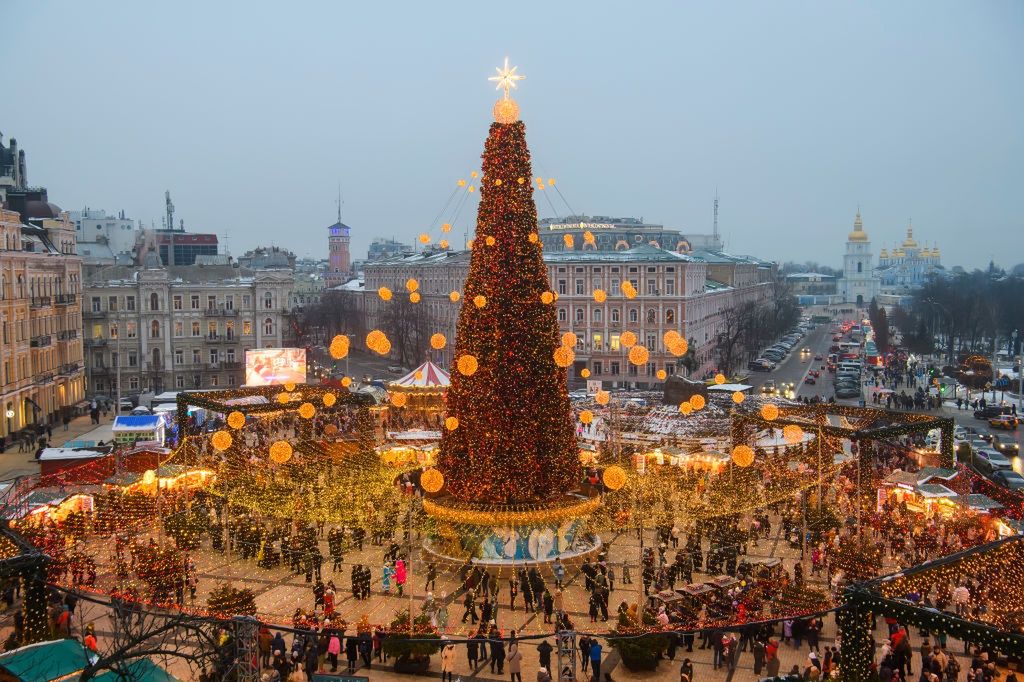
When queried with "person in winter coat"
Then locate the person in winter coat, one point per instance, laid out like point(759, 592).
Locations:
point(447, 661)
point(400, 576)
point(771, 658)
point(515, 663)
point(298, 674)
point(351, 652)
point(265, 640)
point(278, 644)
point(333, 649)
point(544, 654)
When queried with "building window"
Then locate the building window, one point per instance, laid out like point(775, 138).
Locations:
point(579, 315)
point(634, 315)
point(194, 301)
point(670, 287)
point(176, 302)
point(230, 325)
point(615, 315)
point(652, 316)
point(579, 287)
point(670, 316)
point(179, 381)
point(598, 368)
point(96, 304)
point(615, 286)
point(195, 329)
point(268, 326)
point(246, 327)
point(229, 355)
point(598, 342)
point(154, 301)
point(652, 369)
point(129, 303)
point(229, 302)
point(616, 343)
point(245, 301)
point(859, 266)
point(615, 367)
point(179, 356)
point(196, 356)
point(154, 328)
point(211, 330)
point(112, 303)
point(652, 341)
point(231, 380)
point(268, 301)
point(652, 288)
point(133, 359)
point(561, 287)
point(561, 315)
point(113, 330)
point(211, 302)
point(598, 315)
point(179, 329)
point(213, 356)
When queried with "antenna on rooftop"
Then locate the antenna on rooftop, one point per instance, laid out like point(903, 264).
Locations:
point(339, 202)
point(714, 229)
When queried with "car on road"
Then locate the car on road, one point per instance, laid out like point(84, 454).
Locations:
point(1005, 444)
point(989, 461)
point(1008, 479)
point(990, 411)
point(126, 405)
point(975, 432)
point(769, 387)
point(396, 369)
point(761, 365)
point(818, 357)
point(1003, 421)
point(809, 379)
point(848, 392)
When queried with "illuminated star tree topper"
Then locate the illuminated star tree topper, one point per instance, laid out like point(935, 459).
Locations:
point(505, 109)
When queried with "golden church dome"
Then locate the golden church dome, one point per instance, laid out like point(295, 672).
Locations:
point(858, 234)
point(884, 253)
point(909, 242)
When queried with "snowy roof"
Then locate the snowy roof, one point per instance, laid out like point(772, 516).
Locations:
point(138, 422)
point(427, 375)
point(50, 454)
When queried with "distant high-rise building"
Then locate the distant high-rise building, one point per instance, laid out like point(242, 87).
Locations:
point(339, 261)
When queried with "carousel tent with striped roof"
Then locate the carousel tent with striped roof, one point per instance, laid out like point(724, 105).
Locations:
point(427, 376)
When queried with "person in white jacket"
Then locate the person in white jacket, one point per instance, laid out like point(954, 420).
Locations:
point(447, 660)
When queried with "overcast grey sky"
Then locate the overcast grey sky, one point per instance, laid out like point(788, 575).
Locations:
point(252, 112)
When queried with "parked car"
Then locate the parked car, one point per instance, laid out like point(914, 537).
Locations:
point(1005, 445)
point(1008, 479)
point(975, 432)
point(1004, 421)
point(396, 369)
point(760, 365)
point(126, 405)
point(990, 411)
point(989, 461)
point(848, 392)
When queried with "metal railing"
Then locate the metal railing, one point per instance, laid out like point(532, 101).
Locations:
point(65, 299)
point(96, 341)
point(39, 302)
point(41, 341)
point(67, 335)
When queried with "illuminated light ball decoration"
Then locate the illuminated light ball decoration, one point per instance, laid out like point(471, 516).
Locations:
point(414, 297)
point(585, 373)
point(685, 407)
point(770, 412)
point(384, 293)
point(670, 337)
point(564, 356)
point(329, 399)
point(280, 451)
point(470, 244)
point(290, 386)
point(719, 378)
point(603, 397)
point(697, 401)
point(451, 423)
point(432, 480)
point(586, 416)
point(438, 341)
point(236, 420)
point(743, 455)
point(588, 237)
point(411, 285)
point(506, 111)
point(600, 295)
point(569, 339)
point(149, 478)
point(221, 440)
point(792, 433)
point(661, 374)
point(399, 399)
point(679, 347)
point(738, 397)
point(569, 241)
point(418, 375)
point(479, 300)
point(639, 355)
point(443, 243)
point(467, 365)
point(424, 238)
point(454, 297)
point(490, 241)
point(547, 298)
point(378, 342)
point(284, 398)
point(533, 238)
point(331, 429)
point(628, 290)
point(628, 339)
point(340, 345)
point(307, 410)
point(346, 382)
point(614, 477)
point(447, 227)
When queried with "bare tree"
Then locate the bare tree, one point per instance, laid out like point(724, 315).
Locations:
point(408, 326)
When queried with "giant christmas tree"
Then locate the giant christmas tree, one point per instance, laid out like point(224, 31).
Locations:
point(514, 442)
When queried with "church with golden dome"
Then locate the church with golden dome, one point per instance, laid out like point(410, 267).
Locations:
point(859, 283)
point(908, 265)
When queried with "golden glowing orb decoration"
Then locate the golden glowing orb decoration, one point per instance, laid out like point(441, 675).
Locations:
point(411, 285)
point(719, 378)
point(743, 455)
point(564, 356)
point(628, 290)
point(547, 297)
point(614, 477)
point(738, 397)
point(670, 337)
point(569, 339)
point(479, 300)
point(602, 397)
point(533, 238)
point(661, 374)
point(679, 347)
point(585, 373)
point(628, 339)
point(331, 429)
point(469, 244)
point(697, 401)
point(497, 183)
point(770, 412)
point(467, 365)
point(399, 399)
point(447, 227)
point(418, 374)
point(454, 297)
point(284, 398)
point(307, 410)
point(374, 338)
point(424, 238)
point(384, 348)
point(451, 423)
point(588, 236)
point(339, 346)
point(600, 295)
point(443, 243)
point(685, 407)
point(792, 433)
point(586, 416)
point(236, 420)
point(280, 451)
point(289, 386)
point(221, 440)
point(490, 241)
point(149, 478)
point(329, 399)
point(432, 480)
point(346, 382)
point(438, 341)
point(569, 241)
point(384, 293)
point(506, 111)
point(638, 355)
point(414, 297)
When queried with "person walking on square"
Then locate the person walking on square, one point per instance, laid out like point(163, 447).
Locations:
point(584, 644)
point(447, 660)
point(515, 658)
point(595, 660)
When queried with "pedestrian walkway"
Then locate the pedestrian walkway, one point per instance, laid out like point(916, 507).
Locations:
point(14, 463)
